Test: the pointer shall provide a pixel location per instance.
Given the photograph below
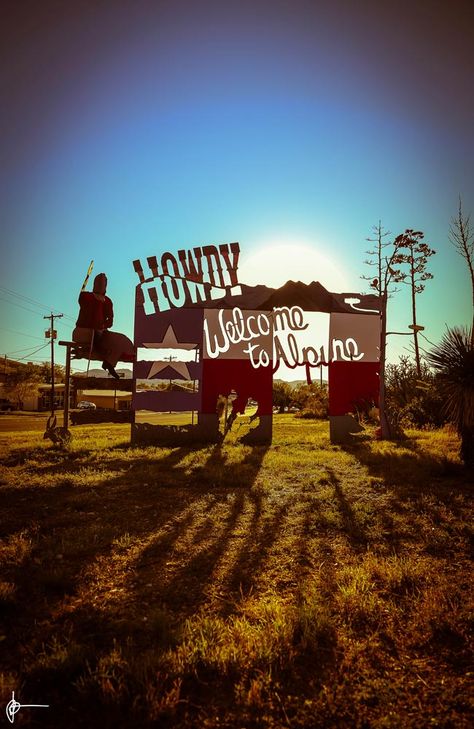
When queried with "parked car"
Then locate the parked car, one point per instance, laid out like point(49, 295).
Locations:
point(6, 405)
point(86, 405)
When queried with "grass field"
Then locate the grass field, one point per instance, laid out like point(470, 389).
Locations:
point(299, 585)
point(37, 421)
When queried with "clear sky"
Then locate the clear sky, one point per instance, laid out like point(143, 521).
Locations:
point(132, 128)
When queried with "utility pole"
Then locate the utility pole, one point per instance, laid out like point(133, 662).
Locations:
point(122, 374)
point(52, 334)
point(170, 359)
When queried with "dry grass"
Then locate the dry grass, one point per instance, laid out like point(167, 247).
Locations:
point(303, 585)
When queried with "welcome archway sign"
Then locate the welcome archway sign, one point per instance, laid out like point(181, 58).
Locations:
point(192, 301)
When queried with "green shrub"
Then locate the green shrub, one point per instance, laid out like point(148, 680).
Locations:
point(312, 400)
point(282, 395)
point(411, 400)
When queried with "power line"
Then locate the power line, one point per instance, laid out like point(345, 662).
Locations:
point(27, 356)
point(36, 360)
point(25, 298)
point(20, 306)
point(15, 351)
point(31, 301)
point(14, 331)
point(36, 313)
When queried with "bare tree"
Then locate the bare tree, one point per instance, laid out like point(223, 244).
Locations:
point(416, 256)
point(462, 237)
point(386, 258)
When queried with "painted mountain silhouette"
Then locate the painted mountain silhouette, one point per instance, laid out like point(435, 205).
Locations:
point(309, 297)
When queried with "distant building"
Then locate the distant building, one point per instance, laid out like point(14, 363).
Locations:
point(113, 399)
point(41, 400)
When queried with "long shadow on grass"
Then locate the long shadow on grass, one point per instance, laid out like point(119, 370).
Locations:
point(420, 485)
point(351, 526)
point(153, 502)
point(169, 514)
point(110, 501)
point(56, 457)
point(184, 586)
point(260, 535)
point(411, 471)
point(54, 534)
point(199, 521)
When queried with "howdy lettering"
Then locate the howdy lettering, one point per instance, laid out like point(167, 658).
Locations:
point(190, 275)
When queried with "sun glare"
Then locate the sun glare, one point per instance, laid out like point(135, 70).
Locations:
point(274, 265)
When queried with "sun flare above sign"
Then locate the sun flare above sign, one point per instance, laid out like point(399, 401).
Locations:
point(274, 265)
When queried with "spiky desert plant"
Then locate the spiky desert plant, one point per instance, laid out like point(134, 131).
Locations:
point(453, 360)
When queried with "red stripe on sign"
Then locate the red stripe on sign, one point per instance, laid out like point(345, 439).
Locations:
point(221, 376)
point(352, 384)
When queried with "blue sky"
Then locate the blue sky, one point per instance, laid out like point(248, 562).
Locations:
point(132, 128)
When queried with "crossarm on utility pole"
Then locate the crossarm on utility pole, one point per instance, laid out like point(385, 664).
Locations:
point(52, 317)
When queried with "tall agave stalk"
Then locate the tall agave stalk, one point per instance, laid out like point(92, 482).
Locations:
point(453, 360)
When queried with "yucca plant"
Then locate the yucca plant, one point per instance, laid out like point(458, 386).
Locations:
point(453, 360)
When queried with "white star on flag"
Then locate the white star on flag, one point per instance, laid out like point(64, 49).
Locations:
point(169, 341)
point(179, 367)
